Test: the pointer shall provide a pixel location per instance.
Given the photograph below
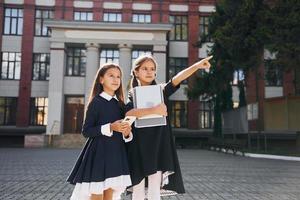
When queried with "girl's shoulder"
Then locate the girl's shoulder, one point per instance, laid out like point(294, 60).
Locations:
point(97, 100)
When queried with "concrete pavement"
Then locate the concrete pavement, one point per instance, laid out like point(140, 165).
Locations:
point(39, 174)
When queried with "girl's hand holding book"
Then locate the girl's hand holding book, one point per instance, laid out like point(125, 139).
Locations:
point(120, 126)
point(160, 109)
point(127, 131)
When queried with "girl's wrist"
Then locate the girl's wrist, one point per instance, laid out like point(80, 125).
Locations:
point(111, 127)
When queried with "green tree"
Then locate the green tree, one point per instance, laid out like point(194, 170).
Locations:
point(238, 33)
point(284, 41)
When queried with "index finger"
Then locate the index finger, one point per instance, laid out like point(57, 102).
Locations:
point(208, 58)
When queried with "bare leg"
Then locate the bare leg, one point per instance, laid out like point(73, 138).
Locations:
point(108, 194)
point(97, 197)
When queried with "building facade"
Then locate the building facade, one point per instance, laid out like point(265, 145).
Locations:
point(51, 50)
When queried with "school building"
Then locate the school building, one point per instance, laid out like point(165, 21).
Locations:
point(51, 50)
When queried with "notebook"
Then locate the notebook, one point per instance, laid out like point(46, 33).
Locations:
point(146, 97)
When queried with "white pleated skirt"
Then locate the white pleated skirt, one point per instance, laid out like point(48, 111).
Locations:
point(83, 191)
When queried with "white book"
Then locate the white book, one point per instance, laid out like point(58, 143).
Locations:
point(147, 97)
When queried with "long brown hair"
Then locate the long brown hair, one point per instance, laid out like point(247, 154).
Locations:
point(98, 88)
point(137, 64)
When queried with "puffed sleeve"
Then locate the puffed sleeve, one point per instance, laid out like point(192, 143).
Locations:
point(170, 89)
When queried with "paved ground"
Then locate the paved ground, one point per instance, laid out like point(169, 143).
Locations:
point(39, 174)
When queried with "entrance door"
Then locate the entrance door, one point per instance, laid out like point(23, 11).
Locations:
point(74, 113)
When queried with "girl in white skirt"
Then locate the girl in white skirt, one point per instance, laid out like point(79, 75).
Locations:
point(101, 171)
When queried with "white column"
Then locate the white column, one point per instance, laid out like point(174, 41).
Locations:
point(92, 65)
point(159, 53)
point(56, 89)
point(125, 64)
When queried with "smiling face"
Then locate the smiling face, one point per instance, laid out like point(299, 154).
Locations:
point(111, 81)
point(146, 72)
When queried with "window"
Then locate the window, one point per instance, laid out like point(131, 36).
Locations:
point(38, 111)
point(238, 75)
point(176, 65)
point(76, 62)
point(112, 17)
point(11, 66)
point(179, 30)
point(41, 62)
point(8, 110)
point(273, 74)
point(13, 21)
point(206, 115)
point(141, 18)
point(252, 111)
point(138, 52)
point(178, 114)
point(109, 55)
point(74, 113)
point(83, 16)
point(203, 27)
point(40, 16)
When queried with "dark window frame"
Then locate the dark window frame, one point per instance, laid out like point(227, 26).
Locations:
point(19, 20)
point(139, 52)
point(180, 64)
point(38, 62)
point(179, 25)
point(277, 71)
point(80, 14)
point(35, 108)
point(138, 17)
point(108, 59)
point(183, 114)
point(109, 13)
point(71, 53)
point(238, 75)
point(205, 109)
point(50, 15)
point(15, 62)
point(9, 107)
point(203, 27)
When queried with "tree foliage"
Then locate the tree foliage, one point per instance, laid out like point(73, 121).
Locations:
point(284, 23)
point(240, 31)
point(238, 35)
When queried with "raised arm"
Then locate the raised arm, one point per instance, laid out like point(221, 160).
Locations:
point(186, 73)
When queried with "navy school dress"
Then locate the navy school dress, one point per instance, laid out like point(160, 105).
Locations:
point(152, 149)
point(103, 161)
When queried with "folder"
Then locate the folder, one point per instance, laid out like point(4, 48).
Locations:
point(147, 97)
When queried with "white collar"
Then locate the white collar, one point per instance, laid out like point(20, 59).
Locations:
point(107, 96)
